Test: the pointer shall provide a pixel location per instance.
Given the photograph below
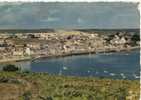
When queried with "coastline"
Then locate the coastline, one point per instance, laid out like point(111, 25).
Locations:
point(88, 52)
point(14, 59)
point(110, 50)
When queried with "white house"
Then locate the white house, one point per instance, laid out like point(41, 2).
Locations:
point(18, 53)
point(28, 51)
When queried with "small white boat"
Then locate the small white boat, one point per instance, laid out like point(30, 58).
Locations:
point(112, 74)
point(123, 76)
point(136, 76)
point(65, 68)
point(88, 71)
point(105, 71)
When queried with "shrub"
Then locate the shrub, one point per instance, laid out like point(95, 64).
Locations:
point(135, 37)
point(3, 80)
point(27, 95)
point(10, 68)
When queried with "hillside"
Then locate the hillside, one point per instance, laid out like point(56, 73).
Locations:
point(41, 86)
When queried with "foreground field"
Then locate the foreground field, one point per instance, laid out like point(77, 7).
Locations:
point(41, 86)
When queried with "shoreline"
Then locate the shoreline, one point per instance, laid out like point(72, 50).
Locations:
point(112, 50)
point(12, 60)
point(87, 52)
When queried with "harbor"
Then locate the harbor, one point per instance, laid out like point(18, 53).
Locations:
point(115, 65)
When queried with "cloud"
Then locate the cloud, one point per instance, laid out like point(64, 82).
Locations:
point(50, 19)
point(53, 11)
point(72, 15)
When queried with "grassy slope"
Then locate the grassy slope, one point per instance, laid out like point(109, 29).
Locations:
point(21, 86)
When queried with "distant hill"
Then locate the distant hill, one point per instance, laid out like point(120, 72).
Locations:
point(82, 30)
point(137, 31)
point(25, 30)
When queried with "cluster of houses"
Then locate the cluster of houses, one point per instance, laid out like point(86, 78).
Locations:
point(7, 50)
point(32, 44)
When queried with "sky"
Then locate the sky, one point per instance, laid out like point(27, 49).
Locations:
point(85, 15)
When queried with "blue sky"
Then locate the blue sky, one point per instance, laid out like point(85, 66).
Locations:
point(68, 15)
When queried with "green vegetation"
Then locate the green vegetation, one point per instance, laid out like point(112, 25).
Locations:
point(135, 37)
point(10, 68)
point(41, 86)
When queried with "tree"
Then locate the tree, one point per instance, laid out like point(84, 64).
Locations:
point(10, 68)
point(135, 37)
